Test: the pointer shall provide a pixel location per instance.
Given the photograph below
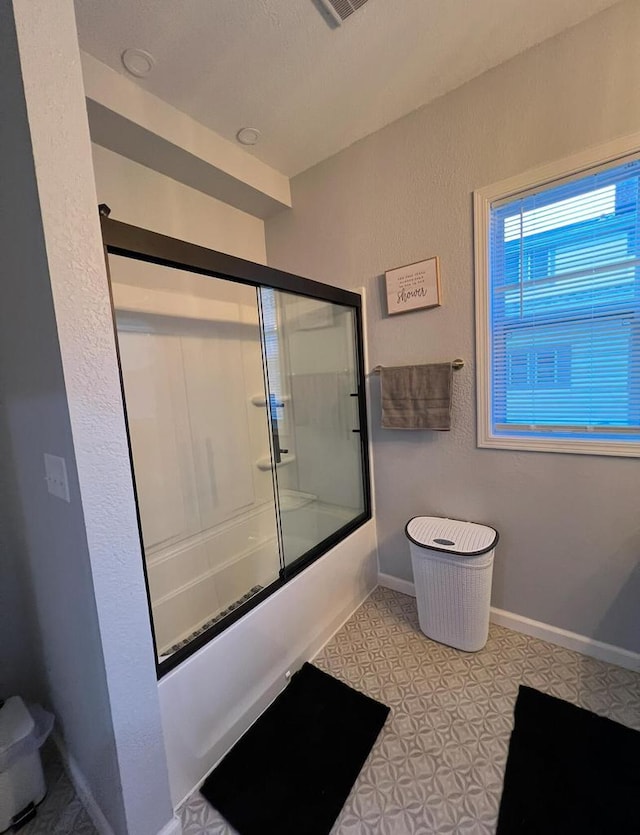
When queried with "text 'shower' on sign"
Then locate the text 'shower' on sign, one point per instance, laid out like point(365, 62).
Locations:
point(413, 286)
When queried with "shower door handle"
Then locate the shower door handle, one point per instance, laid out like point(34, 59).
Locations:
point(355, 394)
point(277, 451)
point(275, 432)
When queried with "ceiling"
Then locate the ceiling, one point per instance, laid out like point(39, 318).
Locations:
point(312, 90)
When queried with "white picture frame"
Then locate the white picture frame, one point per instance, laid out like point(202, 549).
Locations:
point(413, 287)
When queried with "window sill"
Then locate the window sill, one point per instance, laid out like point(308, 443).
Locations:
point(617, 449)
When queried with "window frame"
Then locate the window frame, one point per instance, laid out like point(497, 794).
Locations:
point(616, 152)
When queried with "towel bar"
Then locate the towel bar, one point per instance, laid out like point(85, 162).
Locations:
point(456, 364)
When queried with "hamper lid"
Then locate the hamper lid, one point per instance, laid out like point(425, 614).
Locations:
point(467, 539)
point(15, 722)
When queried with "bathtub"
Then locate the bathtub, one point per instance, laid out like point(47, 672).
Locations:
point(210, 700)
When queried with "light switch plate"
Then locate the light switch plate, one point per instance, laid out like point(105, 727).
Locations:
point(55, 469)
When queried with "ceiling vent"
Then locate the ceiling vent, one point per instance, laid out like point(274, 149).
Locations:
point(335, 11)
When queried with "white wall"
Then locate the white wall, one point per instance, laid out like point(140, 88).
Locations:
point(570, 536)
point(143, 197)
point(131, 121)
point(62, 396)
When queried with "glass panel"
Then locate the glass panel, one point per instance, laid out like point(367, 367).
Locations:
point(311, 358)
point(193, 375)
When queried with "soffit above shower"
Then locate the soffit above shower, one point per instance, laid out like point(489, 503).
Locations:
point(312, 90)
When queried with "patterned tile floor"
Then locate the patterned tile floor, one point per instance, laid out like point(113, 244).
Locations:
point(437, 766)
point(60, 813)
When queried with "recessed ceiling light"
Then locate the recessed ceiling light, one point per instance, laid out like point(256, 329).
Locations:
point(248, 136)
point(138, 62)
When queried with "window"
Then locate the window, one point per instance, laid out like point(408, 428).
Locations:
point(558, 312)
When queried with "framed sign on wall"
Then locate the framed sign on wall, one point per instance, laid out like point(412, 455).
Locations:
point(413, 286)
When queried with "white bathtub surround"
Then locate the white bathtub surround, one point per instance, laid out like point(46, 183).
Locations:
point(306, 523)
point(193, 580)
point(186, 596)
point(560, 637)
point(211, 699)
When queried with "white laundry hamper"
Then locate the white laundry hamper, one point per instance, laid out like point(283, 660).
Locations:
point(452, 569)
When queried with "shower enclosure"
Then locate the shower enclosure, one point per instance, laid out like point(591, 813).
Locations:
point(244, 398)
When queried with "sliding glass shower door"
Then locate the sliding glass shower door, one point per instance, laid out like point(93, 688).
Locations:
point(312, 376)
point(245, 413)
point(192, 369)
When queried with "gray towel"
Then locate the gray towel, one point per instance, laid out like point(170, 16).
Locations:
point(416, 396)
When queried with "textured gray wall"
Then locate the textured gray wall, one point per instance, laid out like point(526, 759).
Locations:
point(569, 524)
point(21, 669)
point(62, 395)
point(50, 627)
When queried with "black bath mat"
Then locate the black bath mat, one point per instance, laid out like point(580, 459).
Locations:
point(569, 772)
point(290, 774)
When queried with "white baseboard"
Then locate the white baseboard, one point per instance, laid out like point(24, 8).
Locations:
point(569, 640)
point(396, 584)
point(174, 827)
point(316, 648)
point(85, 795)
point(82, 788)
point(553, 634)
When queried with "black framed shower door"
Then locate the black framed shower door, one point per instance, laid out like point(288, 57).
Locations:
point(183, 314)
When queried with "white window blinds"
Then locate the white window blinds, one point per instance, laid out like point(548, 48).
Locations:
point(564, 309)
